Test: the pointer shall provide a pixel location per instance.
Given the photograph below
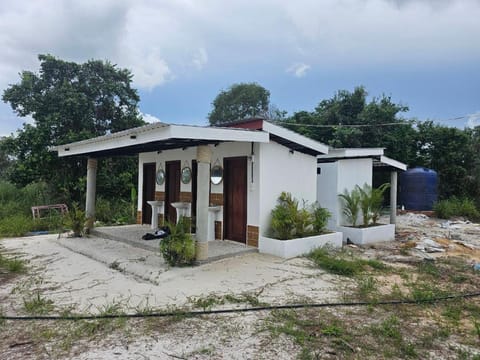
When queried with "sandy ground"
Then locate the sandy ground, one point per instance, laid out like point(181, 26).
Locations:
point(89, 274)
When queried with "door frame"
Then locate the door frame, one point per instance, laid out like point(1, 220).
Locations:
point(226, 217)
point(168, 200)
point(146, 208)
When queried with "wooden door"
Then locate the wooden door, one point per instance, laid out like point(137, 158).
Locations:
point(172, 189)
point(148, 191)
point(235, 198)
point(194, 194)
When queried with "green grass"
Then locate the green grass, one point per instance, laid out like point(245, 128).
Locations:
point(340, 263)
point(446, 209)
point(15, 265)
point(37, 305)
point(209, 301)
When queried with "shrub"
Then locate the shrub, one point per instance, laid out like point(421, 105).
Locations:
point(288, 221)
point(320, 218)
point(178, 248)
point(284, 217)
point(16, 225)
point(113, 211)
point(454, 206)
point(75, 220)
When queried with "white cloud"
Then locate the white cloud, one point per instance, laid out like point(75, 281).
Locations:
point(473, 120)
point(149, 118)
point(298, 69)
point(161, 41)
point(200, 58)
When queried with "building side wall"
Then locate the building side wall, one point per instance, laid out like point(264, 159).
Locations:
point(327, 191)
point(282, 170)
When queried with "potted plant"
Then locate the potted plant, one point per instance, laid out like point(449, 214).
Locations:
point(367, 201)
point(296, 231)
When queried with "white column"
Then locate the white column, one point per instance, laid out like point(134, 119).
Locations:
point(393, 197)
point(91, 190)
point(204, 156)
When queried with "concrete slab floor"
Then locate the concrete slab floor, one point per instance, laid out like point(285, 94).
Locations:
point(132, 235)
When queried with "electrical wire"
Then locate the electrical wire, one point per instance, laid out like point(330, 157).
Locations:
point(240, 310)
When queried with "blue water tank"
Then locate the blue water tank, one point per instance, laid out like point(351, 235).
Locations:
point(418, 189)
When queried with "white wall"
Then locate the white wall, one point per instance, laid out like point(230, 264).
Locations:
point(219, 152)
point(327, 195)
point(335, 178)
point(280, 171)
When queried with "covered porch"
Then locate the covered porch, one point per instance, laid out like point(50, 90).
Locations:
point(132, 235)
point(159, 139)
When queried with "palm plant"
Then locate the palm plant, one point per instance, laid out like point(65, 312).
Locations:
point(376, 200)
point(351, 202)
point(365, 202)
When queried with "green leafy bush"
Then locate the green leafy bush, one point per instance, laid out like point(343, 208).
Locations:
point(289, 221)
point(16, 225)
point(178, 249)
point(454, 206)
point(75, 220)
point(113, 211)
point(320, 218)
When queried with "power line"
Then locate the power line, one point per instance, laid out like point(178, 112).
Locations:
point(342, 125)
point(241, 310)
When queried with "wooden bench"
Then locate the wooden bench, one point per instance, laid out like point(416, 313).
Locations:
point(36, 210)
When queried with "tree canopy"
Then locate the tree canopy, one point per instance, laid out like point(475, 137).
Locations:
point(348, 119)
point(67, 102)
point(240, 101)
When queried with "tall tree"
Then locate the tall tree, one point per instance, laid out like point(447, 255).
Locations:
point(68, 102)
point(240, 101)
point(349, 120)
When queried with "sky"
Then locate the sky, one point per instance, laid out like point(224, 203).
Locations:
point(423, 53)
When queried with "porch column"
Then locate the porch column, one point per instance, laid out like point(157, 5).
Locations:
point(91, 190)
point(393, 197)
point(204, 156)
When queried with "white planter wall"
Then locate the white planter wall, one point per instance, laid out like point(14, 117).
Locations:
point(369, 235)
point(296, 247)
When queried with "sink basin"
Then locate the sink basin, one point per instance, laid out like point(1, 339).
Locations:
point(181, 205)
point(155, 203)
point(215, 208)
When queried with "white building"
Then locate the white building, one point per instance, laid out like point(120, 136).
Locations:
point(255, 160)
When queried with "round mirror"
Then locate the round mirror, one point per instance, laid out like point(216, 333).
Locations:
point(160, 176)
point(216, 175)
point(186, 175)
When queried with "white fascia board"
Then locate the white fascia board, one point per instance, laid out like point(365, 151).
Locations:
point(147, 134)
point(115, 141)
point(294, 137)
point(352, 153)
point(220, 134)
point(393, 163)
